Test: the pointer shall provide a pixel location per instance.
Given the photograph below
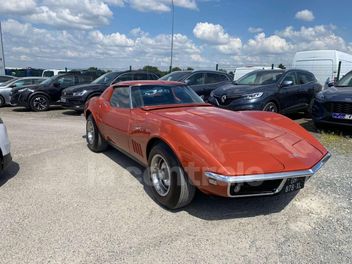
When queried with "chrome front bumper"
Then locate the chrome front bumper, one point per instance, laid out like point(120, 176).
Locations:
point(283, 176)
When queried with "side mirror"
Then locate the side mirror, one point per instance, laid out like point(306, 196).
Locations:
point(286, 83)
point(56, 84)
point(12, 86)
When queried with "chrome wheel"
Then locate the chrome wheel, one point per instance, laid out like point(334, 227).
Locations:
point(40, 103)
point(270, 107)
point(90, 132)
point(160, 175)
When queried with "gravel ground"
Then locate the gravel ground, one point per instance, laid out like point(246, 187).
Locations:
point(61, 203)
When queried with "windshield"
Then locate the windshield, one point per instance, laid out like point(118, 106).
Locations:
point(152, 95)
point(260, 78)
point(9, 82)
point(49, 80)
point(106, 78)
point(175, 76)
point(346, 80)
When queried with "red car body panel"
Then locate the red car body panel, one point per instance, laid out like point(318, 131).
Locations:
point(206, 138)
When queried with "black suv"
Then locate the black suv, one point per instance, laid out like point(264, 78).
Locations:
point(40, 97)
point(202, 82)
point(269, 90)
point(76, 96)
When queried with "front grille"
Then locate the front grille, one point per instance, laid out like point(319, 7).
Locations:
point(265, 187)
point(227, 101)
point(340, 107)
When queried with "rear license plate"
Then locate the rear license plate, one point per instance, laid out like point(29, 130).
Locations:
point(341, 116)
point(63, 100)
point(294, 184)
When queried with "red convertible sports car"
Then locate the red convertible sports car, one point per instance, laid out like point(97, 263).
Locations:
point(188, 144)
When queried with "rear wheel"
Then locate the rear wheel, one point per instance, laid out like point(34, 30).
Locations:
point(167, 180)
point(95, 141)
point(2, 101)
point(271, 107)
point(39, 102)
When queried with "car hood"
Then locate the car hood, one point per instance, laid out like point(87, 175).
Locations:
point(82, 87)
point(339, 94)
point(233, 89)
point(257, 139)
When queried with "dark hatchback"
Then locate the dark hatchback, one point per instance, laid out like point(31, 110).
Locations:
point(269, 90)
point(202, 82)
point(75, 97)
point(334, 105)
point(40, 97)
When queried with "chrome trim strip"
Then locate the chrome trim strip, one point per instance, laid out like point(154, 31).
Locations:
point(269, 176)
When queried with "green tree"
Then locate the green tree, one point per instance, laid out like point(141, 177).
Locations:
point(281, 66)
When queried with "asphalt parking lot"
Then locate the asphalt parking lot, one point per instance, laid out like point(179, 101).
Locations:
point(61, 203)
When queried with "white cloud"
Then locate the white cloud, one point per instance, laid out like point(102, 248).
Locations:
point(86, 14)
point(114, 39)
point(272, 44)
point(81, 14)
point(61, 48)
point(211, 33)
point(115, 2)
point(255, 29)
point(17, 7)
point(160, 5)
point(305, 15)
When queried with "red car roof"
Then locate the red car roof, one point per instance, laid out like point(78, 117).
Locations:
point(152, 82)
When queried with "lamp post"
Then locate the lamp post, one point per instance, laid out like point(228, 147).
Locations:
point(172, 33)
point(2, 56)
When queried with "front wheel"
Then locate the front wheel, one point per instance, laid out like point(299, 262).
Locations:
point(95, 141)
point(167, 180)
point(271, 107)
point(39, 102)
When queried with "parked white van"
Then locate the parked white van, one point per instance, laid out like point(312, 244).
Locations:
point(52, 72)
point(323, 63)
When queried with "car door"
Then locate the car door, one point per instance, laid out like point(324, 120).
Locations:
point(21, 83)
point(289, 94)
point(213, 81)
point(115, 116)
point(60, 83)
point(196, 82)
point(307, 81)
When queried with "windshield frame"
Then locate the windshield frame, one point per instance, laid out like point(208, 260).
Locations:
point(279, 72)
point(193, 95)
point(183, 75)
point(346, 76)
point(101, 77)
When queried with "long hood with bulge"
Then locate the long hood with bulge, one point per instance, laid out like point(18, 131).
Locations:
point(246, 142)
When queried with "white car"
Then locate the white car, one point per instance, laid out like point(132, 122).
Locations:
point(5, 145)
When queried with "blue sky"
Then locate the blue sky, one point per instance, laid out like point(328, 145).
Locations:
point(117, 33)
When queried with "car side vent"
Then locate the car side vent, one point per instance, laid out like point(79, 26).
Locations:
point(137, 148)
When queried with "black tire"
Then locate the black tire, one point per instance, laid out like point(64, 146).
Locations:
point(95, 141)
point(2, 101)
point(39, 102)
point(271, 107)
point(174, 192)
point(319, 126)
